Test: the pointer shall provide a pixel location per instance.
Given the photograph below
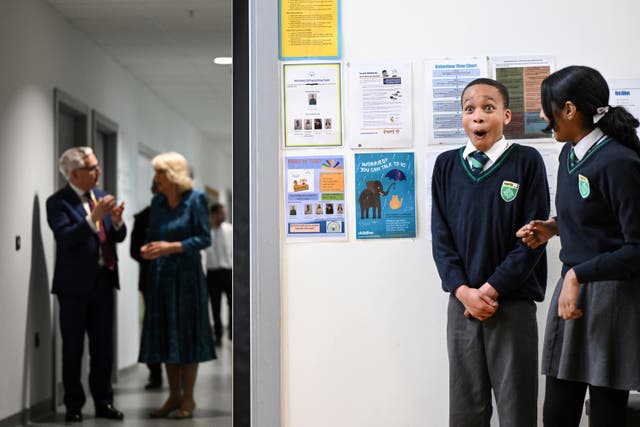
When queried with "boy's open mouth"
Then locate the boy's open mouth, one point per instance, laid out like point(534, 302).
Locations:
point(480, 133)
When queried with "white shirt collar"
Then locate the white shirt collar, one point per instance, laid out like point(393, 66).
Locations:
point(585, 144)
point(494, 153)
point(78, 191)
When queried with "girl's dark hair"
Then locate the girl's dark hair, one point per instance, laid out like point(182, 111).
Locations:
point(489, 82)
point(588, 90)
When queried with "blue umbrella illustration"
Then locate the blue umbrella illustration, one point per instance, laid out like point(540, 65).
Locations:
point(396, 175)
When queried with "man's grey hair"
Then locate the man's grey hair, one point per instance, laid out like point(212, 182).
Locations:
point(73, 159)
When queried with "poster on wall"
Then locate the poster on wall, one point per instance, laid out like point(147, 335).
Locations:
point(523, 75)
point(314, 196)
point(309, 29)
point(380, 101)
point(311, 103)
point(385, 195)
point(444, 82)
point(430, 157)
point(626, 93)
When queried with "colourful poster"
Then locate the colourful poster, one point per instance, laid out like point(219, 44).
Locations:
point(314, 196)
point(309, 29)
point(385, 195)
point(523, 77)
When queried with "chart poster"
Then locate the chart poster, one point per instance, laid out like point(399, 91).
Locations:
point(523, 77)
point(309, 29)
point(626, 93)
point(311, 102)
point(314, 196)
point(445, 79)
point(380, 104)
point(385, 195)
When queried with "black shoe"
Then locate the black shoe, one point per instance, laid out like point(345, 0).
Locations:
point(153, 384)
point(73, 417)
point(108, 411)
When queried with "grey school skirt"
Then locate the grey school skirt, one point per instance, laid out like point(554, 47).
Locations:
point(601, 348)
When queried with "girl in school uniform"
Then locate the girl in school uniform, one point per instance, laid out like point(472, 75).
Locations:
point(592, 337)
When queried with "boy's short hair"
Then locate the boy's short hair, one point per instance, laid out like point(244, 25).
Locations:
point(489, 82)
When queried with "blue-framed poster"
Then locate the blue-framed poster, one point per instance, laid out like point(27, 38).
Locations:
point(385, 195)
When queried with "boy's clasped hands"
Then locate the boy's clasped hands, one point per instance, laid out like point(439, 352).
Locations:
point(481, 303)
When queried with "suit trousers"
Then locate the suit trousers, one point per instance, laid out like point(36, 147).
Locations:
point(500, 353)
point(219, 281)
point(90, 314)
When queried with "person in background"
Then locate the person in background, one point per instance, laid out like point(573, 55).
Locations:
point(86, 223)
point(176, 329)
point(482, 194)
point(219, 267)
point(138, 238)
point(592, 337)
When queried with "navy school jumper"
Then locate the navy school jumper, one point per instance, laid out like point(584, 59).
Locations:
point(598, 203)
point(474, 221)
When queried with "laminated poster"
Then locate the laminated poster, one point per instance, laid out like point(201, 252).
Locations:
point(309, 29)
point(626, 93)
point(314, 196)
point(523, 77)
point(385, 195)
point(311, 104)
point(445, 79)
point(380, 105)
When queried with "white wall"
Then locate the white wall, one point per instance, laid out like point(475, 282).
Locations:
point(363, 322)
point(40, 51)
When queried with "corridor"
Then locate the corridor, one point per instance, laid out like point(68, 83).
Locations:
point(213, 396)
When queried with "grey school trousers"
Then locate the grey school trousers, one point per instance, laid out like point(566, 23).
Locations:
point(500, 353)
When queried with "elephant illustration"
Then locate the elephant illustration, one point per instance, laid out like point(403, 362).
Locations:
point(370, 198)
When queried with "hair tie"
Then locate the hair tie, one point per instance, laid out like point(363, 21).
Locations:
point(600, 112)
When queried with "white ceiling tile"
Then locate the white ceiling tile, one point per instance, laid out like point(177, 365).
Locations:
point(169, 45)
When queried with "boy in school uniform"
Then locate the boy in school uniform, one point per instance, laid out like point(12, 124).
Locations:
point(482, 194)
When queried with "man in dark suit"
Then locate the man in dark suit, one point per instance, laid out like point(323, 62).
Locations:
point(86, 223)
point(139, 238)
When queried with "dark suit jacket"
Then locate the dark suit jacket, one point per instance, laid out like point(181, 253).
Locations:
point(77, 245)
point(139, 238)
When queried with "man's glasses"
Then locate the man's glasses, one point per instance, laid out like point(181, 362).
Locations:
point(89, 168)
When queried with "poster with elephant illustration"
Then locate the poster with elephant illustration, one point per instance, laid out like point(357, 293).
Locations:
point(314, 196)
point(385, 195)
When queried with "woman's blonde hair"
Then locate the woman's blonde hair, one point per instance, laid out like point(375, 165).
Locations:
point(176, 167)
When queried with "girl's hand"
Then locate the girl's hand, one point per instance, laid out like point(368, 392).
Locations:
point(567, 303)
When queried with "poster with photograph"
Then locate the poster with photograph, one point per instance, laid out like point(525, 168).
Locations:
point(523, 77)
point(385, 195)
point(309, 29)
point(380, 105)
point(311, 103)
point(314, 196)
point(445, 79)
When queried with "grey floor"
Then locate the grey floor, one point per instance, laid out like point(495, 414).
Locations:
point(213, 397)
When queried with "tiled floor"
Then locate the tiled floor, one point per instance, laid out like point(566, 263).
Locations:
point(213, 396)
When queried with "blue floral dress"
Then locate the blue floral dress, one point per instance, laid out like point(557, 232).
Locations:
point(176, 328)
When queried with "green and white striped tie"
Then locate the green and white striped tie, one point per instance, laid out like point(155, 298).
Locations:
point(478, 160)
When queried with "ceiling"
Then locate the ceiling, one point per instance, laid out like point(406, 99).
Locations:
point(169, 45)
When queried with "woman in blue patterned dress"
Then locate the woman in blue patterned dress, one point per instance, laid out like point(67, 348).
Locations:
point(176, 329)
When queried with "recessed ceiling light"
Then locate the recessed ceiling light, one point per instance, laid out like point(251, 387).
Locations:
point(223, 60)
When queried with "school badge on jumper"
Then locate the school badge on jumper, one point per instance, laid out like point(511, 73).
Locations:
point(509, 190)
point(583, 186)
